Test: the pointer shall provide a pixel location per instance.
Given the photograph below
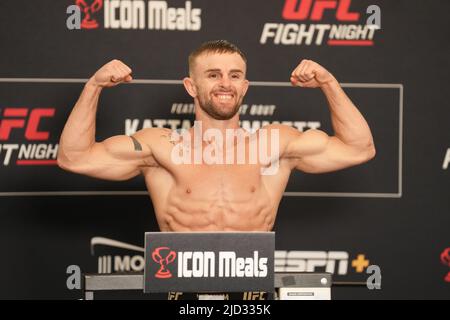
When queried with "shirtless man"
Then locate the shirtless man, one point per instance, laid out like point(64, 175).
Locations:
point(214, 197)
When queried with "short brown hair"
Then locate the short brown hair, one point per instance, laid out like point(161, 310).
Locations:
point(215, 46)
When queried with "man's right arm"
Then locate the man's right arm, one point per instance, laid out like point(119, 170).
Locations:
point(116, 158)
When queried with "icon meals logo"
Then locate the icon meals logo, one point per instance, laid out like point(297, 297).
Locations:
point(349, 31)
point(137, 14)
point(203, 264)
point(163, 259)
point(88, 10)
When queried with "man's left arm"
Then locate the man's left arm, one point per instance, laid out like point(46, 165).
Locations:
point(314, 151)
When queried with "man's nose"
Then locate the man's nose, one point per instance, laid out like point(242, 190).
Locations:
point(225, 82)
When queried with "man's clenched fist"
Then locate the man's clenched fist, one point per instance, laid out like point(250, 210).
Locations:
point(111, 74)
point(310, 74)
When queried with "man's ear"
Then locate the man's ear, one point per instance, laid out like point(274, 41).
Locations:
point(190, 87)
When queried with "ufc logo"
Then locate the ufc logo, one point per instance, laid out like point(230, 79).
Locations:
point(16, 118)
point(314, 9)
point(254, 295)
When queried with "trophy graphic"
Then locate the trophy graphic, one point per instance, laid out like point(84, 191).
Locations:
point(88, 10)
point(445, 259)
point(163, 272)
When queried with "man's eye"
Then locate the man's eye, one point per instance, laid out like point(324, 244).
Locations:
point(213, 75)
point(235, 76)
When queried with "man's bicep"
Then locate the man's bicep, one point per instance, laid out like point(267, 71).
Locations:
point(331, 156)
point(125, 148)
point(115, 158)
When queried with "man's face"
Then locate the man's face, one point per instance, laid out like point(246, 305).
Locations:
point(219, 79)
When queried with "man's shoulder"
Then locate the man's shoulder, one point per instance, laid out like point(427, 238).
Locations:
point(153, 137)
point(284, 130)
point(288, 130)
point(288, 134)
point(152, 132)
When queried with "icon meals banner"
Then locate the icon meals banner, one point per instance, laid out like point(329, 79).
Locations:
point(209, 262)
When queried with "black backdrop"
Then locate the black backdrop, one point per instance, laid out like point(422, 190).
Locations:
point(393, 210)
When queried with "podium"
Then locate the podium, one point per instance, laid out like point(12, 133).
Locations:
point(212, 264)
point(288, 285)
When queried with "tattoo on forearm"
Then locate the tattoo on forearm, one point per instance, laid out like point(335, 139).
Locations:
point(137, 145)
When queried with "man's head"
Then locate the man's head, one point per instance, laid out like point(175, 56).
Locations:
point(217, 78)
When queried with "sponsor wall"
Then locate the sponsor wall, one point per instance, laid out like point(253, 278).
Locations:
point(392, 211)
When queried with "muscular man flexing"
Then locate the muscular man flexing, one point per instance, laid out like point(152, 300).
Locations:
point(214, 196)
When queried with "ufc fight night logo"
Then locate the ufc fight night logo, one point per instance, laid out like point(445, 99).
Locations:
point(26, 124)
point(352, 29)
